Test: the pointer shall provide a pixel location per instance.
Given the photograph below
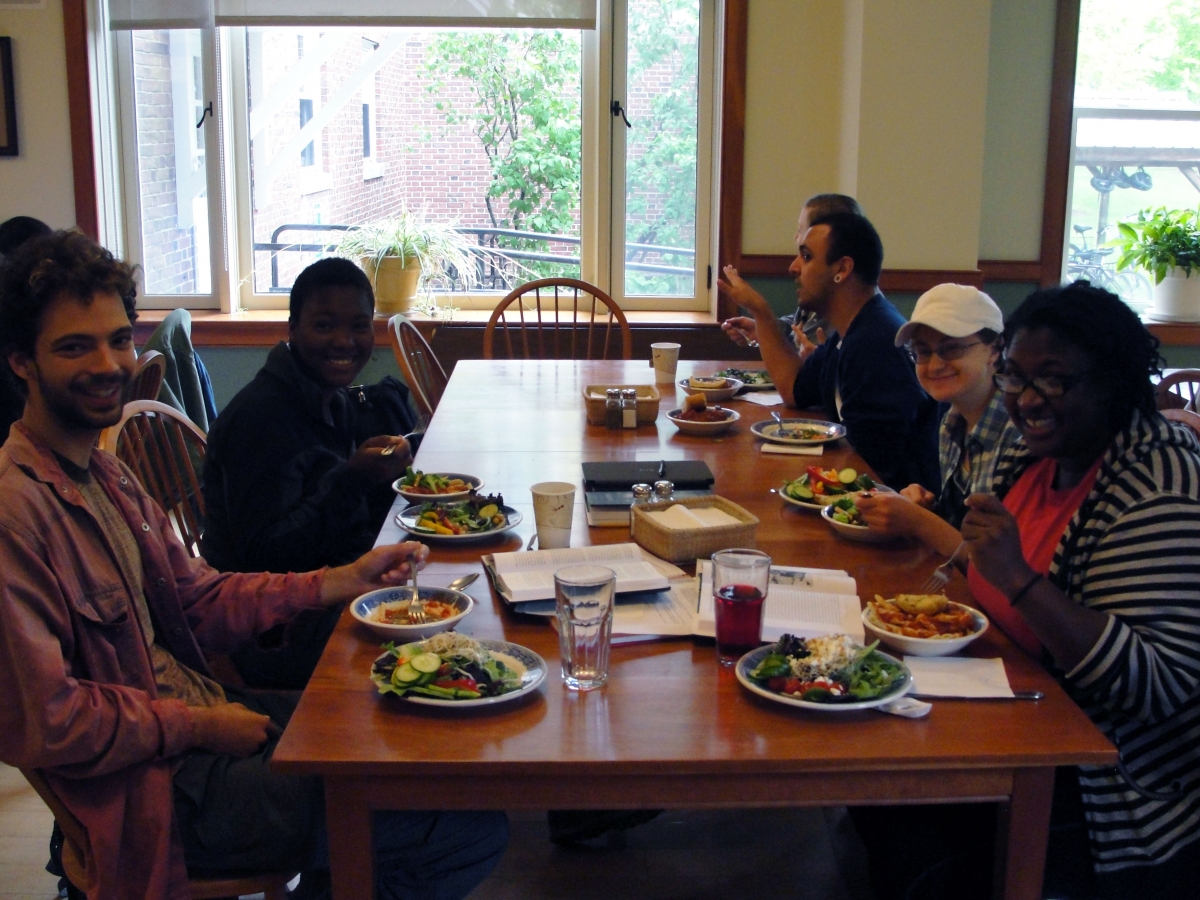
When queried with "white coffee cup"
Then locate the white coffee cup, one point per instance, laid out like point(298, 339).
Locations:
point(665, 357)
point(553, 508)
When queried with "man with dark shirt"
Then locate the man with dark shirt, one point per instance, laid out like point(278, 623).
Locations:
point(859, 378)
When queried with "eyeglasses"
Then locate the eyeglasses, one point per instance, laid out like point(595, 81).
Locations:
point(945, 352)
point(1048, 387)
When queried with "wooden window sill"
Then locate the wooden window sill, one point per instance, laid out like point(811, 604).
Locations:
point(265, 328)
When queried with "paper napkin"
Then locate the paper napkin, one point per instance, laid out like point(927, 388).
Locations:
point(794, 449)
point(762, 398)
point(958, 676)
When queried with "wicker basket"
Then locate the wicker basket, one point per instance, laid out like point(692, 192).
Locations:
point(647, 402)
point(686, 546)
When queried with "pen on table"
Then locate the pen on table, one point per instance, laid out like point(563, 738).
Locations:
point(662, 468)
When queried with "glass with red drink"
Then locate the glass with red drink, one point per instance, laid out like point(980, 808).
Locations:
point(740, 579)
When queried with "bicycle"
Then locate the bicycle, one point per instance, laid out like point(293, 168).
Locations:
point(1087, 263)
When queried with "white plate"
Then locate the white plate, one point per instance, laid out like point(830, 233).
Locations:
point(754, 657)
point(530, 665)
point(714, 395)
point(913, 646)
point(407, 518)
point(818, 505)
point(476, 484)
point(750, 386)
point(768, 430)
point(702, 428)
point(860, 533)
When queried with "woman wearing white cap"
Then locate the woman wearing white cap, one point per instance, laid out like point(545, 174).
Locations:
point(954, 339)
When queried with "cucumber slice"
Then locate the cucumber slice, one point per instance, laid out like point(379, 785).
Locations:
point(866, 482)
point(847, 476)
point(799, 491)
point(426, 663)
point(405, 674)
point(488, 511)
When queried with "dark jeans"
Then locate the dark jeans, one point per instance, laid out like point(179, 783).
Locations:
point(235, 815)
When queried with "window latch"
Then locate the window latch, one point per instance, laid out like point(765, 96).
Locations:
point(207, 112)
point(618, 110)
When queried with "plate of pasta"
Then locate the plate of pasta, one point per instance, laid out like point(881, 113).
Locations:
point(923, 624)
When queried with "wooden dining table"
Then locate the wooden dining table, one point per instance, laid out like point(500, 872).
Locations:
point(672, 728)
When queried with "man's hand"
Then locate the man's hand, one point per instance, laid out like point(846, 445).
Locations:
point(741, 330)
point(803, 344)
point(378, 568)
point(919, 495)
point(231, 729)
point(742, 294)
point(994, 544)
point(383, 459)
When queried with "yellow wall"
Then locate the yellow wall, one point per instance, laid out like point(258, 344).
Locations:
point(38, 182)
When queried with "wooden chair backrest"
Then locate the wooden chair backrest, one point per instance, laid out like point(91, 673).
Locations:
point(422, 371)
point(273, 885)
point(147, 381)
point(558, 318)
point(1184, 417)
point(1179, 390)
point(165, 450)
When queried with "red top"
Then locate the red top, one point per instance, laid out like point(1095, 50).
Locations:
point(1042, 515)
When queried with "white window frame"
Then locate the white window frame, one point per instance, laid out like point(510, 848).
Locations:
point(231, 236)
point(370, 90)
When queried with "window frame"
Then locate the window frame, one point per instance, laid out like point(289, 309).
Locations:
point(231, 244)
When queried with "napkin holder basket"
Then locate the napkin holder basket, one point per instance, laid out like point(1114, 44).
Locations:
point(686, 545)
point(595, 396)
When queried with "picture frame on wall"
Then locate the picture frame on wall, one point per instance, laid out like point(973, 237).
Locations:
point(8, 100)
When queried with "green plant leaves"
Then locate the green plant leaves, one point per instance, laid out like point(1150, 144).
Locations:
point(1159, 240)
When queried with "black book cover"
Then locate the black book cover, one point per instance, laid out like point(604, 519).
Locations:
point(685, 474)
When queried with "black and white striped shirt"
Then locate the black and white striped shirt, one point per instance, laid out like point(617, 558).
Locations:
point(1132, 551)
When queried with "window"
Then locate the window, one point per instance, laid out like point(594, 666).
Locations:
point(517, 136)
point(1136, 130)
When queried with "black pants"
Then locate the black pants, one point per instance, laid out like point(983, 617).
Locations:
point(289, 667)
point(236, 815)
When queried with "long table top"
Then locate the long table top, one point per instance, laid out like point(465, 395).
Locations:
point(671, 727)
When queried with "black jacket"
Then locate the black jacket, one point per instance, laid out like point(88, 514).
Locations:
point(279, 495)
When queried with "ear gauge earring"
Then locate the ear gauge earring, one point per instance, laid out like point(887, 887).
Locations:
point(837, 278)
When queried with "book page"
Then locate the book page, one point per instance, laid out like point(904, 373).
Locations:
point(635, 575)
point(668, 612)
point(604, 554)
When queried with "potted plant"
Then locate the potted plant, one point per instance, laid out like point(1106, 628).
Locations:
point(396, 252)
point(1165, 243)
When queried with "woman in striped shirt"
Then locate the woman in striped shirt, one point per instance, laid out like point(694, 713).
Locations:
point(1088, 552)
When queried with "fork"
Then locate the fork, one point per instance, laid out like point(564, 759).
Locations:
point(940, 577)
point(416, 609)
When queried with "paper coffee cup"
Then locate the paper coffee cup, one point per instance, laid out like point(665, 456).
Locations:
point(665, 357)
point(553, 508)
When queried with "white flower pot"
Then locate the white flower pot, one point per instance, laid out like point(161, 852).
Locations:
point(1177, 298)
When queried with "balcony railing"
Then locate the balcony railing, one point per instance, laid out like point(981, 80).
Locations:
point(498, 268)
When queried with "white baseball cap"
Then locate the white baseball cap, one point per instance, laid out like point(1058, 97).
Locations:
point(956, 310)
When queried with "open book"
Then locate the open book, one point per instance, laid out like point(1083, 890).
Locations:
point(524, 576)
point(803, 602)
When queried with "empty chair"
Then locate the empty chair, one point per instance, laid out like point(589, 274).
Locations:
point(1184, 417)
point(147, 381)
point(1178, 390)
point(165, 450)
point(419, 365)
point(75, 846)
point(558, 318)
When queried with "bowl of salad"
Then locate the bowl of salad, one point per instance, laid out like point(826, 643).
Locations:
point(752, 379)
point(453, 670)
point(416, 485)
point(817, 487)
point(833, 673)
point(388, 611)
point(843, 516)
point(471, 519)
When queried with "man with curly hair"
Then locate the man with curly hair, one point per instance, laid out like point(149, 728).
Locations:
point(106, 623)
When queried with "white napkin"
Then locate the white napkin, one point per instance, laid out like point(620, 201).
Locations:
point(681, 517)
point(762, 398)
point(958, 676)
point(795, 449)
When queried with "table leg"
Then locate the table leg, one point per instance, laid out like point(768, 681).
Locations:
point(1022, 833)
point(348, 821)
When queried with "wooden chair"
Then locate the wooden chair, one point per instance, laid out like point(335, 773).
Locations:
point(559, 318)
point(1179, 390)
point(419, 365)
point(1184, 417)
point(272, 886)
point(147, 381)
point(166, 451)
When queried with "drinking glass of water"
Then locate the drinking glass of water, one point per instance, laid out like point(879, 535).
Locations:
point(583, 598)
point(740, 579)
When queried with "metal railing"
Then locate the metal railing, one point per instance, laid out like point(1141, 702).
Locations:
point(498, 268)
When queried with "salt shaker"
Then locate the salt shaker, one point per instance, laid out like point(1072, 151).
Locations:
point(612, 408)
point(629, 408)
point(642, 496)
point(664, 491)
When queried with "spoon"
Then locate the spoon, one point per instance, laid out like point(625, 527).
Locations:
point(783, 430)
point(459, 583)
